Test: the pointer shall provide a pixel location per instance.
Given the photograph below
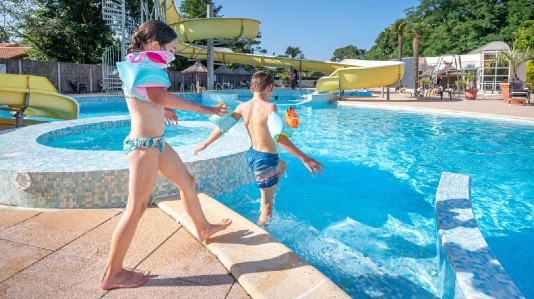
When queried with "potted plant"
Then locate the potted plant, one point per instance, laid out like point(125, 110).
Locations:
point(460, 85)
point(514, 59)
point(424, 83)
point(471, 88)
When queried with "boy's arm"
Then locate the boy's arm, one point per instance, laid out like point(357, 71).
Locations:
point(166, 99)
point(310, 163)
point(214, 136)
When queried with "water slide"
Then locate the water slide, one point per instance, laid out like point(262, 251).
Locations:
point(35, 96)
point(345, 75)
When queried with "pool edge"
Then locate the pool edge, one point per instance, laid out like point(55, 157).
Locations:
point(262, 265)
point(468, 268)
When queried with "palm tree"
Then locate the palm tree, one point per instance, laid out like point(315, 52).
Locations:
point(515, 58)
point(398, 27)
point(293, 51)
point(417, 28)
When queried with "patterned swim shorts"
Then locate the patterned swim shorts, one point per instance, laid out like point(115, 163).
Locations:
point(265, 167)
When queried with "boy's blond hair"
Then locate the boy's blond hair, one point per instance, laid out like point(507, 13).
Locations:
point(260, 81)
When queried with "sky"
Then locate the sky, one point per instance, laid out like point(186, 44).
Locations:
point(317, 27)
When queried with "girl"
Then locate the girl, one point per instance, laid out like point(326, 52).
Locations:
point(145, 84)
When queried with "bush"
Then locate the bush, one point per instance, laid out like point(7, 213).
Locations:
point(530, 75)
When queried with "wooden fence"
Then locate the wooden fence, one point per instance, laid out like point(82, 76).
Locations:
point(60, 74)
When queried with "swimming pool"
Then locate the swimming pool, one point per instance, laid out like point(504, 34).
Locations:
point(368, 222)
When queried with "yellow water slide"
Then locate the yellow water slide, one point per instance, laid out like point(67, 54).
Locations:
point(35, 96)
point(346, 75)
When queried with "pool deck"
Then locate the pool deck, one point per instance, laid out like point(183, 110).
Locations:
point(62, 253)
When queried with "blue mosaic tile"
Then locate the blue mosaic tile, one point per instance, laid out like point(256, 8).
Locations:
point(468, 267)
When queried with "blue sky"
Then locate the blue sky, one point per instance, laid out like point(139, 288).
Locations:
point(317, 27)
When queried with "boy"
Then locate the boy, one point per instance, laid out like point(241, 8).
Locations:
point(262, 157)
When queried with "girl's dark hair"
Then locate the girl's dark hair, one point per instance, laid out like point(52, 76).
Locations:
point(260, 81)
point(152, 30)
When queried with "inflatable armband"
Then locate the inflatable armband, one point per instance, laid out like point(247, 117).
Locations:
point(224, 122)
point(142, 70)
point(282, 125)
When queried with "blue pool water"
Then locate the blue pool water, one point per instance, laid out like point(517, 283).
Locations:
point(112, 139)
point(368, 222)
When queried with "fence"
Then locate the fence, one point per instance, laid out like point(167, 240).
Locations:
point(60, 74)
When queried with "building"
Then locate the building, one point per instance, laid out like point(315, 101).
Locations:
point(452, 67)
point(12, 50)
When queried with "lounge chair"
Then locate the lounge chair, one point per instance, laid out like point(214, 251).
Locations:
point(78, 86)
point(519, 91)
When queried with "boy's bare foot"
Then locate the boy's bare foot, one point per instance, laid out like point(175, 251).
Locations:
point(203, 235)
point(263, 220)
point(125, 279)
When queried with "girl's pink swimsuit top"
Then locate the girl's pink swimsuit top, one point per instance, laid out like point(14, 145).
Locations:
point(142, 70)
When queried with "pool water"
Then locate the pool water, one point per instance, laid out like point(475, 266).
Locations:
point(368, 222)
point(112, 139)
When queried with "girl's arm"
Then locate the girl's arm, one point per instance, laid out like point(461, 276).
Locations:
point(166, 99)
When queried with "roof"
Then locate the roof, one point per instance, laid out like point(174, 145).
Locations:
point(223, 70)
point(240, 71)
point(12, 50)
point(493, 46)
point(198, 67)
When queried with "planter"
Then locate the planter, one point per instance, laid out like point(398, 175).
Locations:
point(505, 89)
point(471, 94)
point(517, 102)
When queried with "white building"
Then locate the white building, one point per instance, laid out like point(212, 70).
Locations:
point(452, 67)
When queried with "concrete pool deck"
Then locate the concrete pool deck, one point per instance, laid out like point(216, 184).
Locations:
point(62, 253)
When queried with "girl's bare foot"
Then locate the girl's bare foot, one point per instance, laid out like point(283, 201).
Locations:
point(125, 279)
point(263, 220)
point(204, 234)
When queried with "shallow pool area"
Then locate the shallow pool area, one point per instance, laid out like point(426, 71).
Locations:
point(110, 139)
point(369, 222)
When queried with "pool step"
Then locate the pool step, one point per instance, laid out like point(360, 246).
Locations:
point(262, 265)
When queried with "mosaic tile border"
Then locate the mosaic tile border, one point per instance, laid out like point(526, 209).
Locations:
point(468, 267)
point(63, 178)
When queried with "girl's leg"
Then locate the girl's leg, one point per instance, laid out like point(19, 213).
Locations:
point(172, 167)
point(143, 165)
point(267, 196)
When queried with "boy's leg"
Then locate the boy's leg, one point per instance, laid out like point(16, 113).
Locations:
point(143, 165)
point(266, 204)
point(267, 196)
point(172, 167)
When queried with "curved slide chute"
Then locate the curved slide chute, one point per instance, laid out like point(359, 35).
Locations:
point(37, 96)
point(346, 75)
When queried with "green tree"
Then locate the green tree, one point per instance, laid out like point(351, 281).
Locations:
point(195, 9)
point(68, 30)
point(384, 47)
point(524, 36)
point(4, 36)
point(347, 53)
point(294, 52)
